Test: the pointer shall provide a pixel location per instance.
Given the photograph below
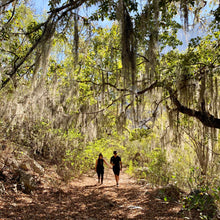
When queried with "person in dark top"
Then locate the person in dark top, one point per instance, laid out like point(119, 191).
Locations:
point(99, 167)
point(117, 166)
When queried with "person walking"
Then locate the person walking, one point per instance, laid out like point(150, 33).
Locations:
point(99, 167)
point(117, 166)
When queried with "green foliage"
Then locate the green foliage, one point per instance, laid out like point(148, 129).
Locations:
point(145, 160)
point(139, 133)
point(181, 161)
point(34, 31)
point(130, 170)
point(158, 167)
point(109, 10)
point(155, 169)
point(78, 109)
point(169, 193)
point(15, 42)
point(201, 201)
point(82, 159)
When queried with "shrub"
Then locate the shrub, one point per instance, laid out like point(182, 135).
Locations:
point(202, 201)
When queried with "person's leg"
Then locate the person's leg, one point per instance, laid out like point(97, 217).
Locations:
point(115, 172)
point(102, 174)
point(117, 179)
point(98, 176)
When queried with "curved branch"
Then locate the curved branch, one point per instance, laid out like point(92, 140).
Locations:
point(152, 86)
point(205, 117)
point(145, 58)
point(108, 106)
point(50, 24)
point(7, 3)
point(13, 13)
point(72, 5)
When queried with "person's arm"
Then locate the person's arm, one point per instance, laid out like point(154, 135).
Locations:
point(107, 164)
point(111, 162)
point(121, 165)
point(96, 165)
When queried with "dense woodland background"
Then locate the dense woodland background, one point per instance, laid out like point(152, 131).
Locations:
point(71, 87)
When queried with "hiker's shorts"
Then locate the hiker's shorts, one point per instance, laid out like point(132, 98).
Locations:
point(116, 171)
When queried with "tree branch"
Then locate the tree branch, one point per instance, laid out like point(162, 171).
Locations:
point(72, 5)
point(108, 106)
point(13, 13)
point(145, 58)
point(47, 24)
point(7, 3)
point(152, 86)
point(205, 117)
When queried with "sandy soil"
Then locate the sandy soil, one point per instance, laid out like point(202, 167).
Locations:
point(83, 198)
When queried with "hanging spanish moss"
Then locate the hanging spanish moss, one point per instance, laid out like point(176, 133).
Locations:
point(211, 91)
point(202, 90)
point(43, 50)
point(46, 43)
point(185, 10)
point(171, 116)
point(128, 56)
point(153, 42)
point(216, 98)
point(149, 22)
point(76, 37)
point(42, 59)
point(128, 44)
point(185, 86)
point(214, 107)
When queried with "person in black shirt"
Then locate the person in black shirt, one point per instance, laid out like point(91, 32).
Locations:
point(99, 167)
point(117, 166)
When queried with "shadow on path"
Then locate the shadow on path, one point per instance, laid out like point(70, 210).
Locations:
point(87, 200)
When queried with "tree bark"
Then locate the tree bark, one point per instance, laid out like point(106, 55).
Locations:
point(205, 117)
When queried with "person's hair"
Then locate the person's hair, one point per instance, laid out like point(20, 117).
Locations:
point(100, 155)
point(115, 152)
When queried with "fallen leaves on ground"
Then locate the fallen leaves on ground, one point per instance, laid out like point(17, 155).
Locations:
point(83, 198)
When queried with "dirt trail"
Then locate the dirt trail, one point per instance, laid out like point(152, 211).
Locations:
point(84, 199)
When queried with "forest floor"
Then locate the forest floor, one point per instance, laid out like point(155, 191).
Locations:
point(83, 198)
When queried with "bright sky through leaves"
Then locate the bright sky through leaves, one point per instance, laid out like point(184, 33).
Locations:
point(41, 6)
